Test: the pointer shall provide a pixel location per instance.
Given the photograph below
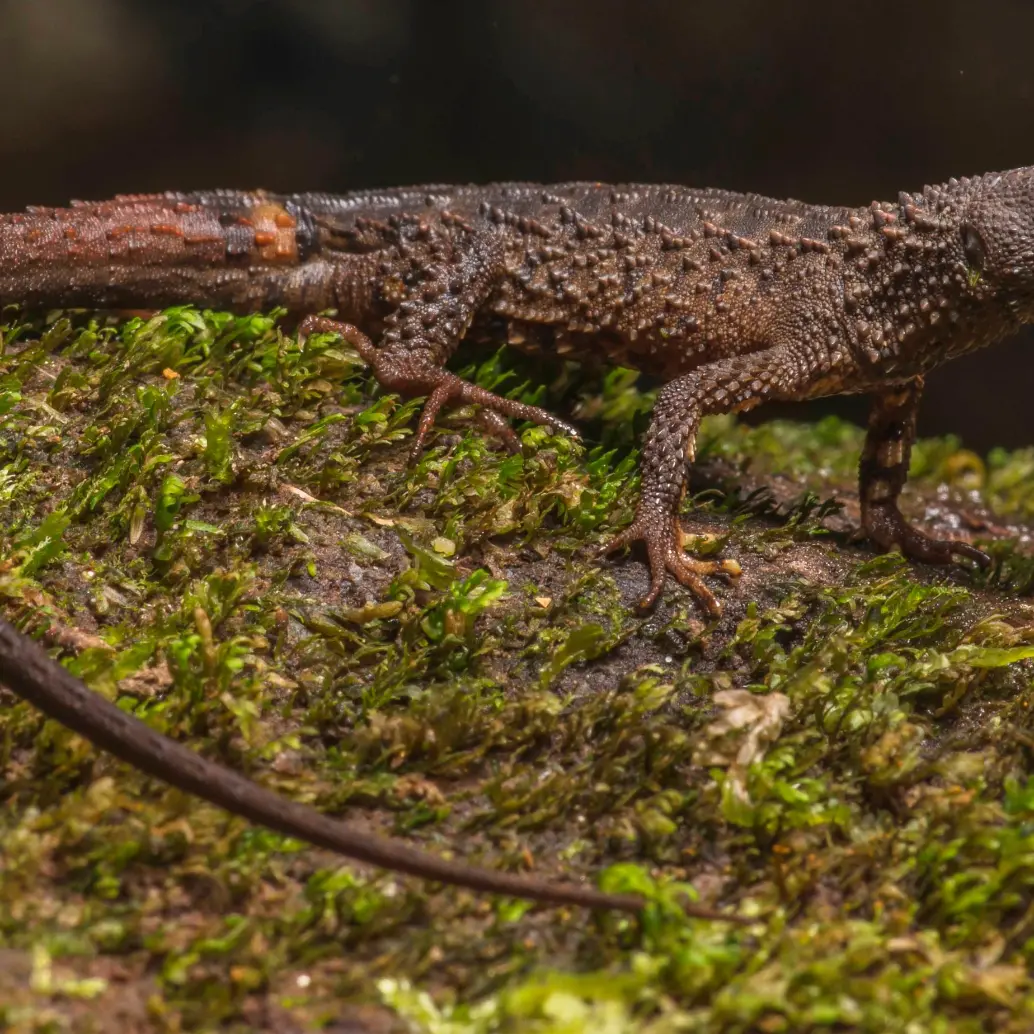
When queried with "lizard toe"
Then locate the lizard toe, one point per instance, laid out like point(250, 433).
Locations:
point(448, 389)
point(432, 407)
point(688, 572)
point(982, 560)
point(662, 538)
point(348, 333)
point(888, 528)
point(496, 426)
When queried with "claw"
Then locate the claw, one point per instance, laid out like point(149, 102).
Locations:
point(729, 568)
point(438, 397)
point(982, 560)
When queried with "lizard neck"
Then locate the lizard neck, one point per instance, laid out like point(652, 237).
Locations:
point(912, 300)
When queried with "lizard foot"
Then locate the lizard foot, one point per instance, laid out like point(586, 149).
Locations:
point(447, 388)
point(409, 373)
point(664, 540)
point(886, 526)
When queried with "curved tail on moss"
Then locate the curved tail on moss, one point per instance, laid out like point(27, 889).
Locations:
point(35, 677)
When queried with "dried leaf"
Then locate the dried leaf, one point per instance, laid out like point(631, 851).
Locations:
point(737, 737)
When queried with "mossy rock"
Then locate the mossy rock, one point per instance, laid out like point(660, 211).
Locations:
point(219, 528)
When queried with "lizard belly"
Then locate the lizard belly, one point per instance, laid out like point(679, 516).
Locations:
point(654, 356)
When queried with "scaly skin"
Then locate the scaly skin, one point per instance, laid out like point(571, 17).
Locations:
point(731, 299)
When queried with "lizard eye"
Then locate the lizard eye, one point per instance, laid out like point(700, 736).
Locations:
point(973, 246)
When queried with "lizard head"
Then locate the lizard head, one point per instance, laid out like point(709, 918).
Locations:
point(996, 236)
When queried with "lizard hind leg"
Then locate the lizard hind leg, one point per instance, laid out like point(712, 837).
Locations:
point(882, 474)
point(414, 371)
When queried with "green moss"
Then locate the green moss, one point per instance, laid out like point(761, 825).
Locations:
point(218, 528)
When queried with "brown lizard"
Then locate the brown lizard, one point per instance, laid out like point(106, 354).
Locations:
point(731, 299)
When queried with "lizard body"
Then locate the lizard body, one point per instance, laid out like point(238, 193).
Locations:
point(731, 299)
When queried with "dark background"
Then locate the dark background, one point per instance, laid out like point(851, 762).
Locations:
point(826, 101)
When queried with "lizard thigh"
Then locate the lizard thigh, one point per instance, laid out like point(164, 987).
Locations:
point(425, 327)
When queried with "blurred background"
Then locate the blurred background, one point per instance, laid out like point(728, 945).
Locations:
point(824, 101)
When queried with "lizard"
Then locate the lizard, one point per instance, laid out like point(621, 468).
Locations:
point(730, 299)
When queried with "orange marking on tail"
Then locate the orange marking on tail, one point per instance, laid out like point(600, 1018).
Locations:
point(275, 233)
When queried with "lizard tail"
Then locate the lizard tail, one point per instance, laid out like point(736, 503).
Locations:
point(224, 248)
point(30, 672)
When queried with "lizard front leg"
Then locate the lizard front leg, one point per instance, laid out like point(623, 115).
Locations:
point(733, 385)
point(882, 474)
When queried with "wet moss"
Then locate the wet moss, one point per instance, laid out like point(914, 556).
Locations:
point(218, 528)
